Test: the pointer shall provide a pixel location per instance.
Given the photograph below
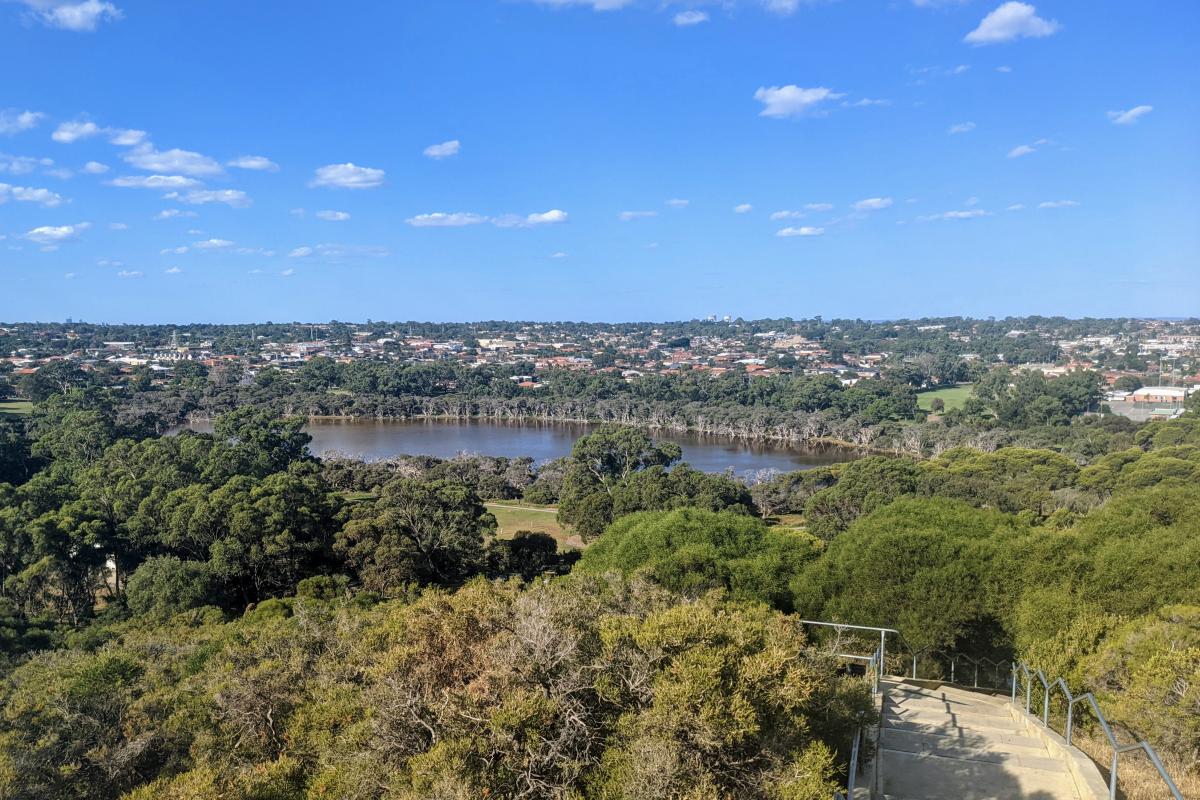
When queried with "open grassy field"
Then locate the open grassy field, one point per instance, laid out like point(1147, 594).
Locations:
point(512, 517)
point(15, 407)
point(953, 397)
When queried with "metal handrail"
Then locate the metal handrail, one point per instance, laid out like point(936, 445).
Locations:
point(1072, 700)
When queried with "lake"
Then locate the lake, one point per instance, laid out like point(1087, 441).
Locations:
point(377, 439)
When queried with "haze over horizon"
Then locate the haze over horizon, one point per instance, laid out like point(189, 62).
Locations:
point(598, 160)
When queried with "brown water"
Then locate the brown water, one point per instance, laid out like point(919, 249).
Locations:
point(377, 439)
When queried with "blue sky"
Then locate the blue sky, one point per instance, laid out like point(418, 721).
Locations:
point(597, 159)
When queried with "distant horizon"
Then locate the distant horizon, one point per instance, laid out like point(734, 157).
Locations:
point(515, 321)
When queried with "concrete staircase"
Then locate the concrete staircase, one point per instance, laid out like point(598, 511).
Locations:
point(961, 745)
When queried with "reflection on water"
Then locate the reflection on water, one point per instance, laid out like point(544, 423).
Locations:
point(376, 439)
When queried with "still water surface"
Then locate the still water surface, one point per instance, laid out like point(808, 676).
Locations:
point(376, 439)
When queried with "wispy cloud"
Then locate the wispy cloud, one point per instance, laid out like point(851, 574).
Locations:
point(786, 214)
point(1058, 204)
point(347, 176)
point(13, 121)
point(130, 273)
point(630, 216)
point(1021, 150)
point(677, 203)
point(686, 19)
point(972, 213)
point(259, 163)
point(234, 198)
point(174, 213)
point(443, 150)
point(872, 204)
point(212, 244)
point(1012, 20)
point(961, 127)
point(1129, 117)
point(55, 234)
point(804, 230)
point(333, 216)
point(95, 168)
point(71, 15)
point(182, 162)
point(462, 219)
point(743, 208)
point(793, 101)
point(28, 194)
point(153, 182)
point(440, 219)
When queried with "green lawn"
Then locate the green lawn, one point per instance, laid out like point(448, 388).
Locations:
point(15, 407)
point(953, 397)
point(512, 517)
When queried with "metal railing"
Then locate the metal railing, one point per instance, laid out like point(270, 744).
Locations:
point(874, 674)
point(1118, 749)
point(995, 672)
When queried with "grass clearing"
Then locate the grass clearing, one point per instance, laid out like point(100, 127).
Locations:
point(16, 407)
point(953, 397)
point(511, 517)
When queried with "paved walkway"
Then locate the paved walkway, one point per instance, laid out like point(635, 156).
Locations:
point(959, 745)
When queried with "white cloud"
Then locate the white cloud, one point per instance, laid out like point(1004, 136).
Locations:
point(440, 219)
point(865, 102)
point(973, 213)
point(629, 216)
point(791, 100)
point(805, 230)
point(678, 203)
point(873, 204)
point(125, 273)
point(23, 165)
point(28, 194)
point(347, 176)
point(685, 19)
point(286, 273)
point(73, 16)
point(595, 5)
point(1058, 204)
point(301, 252)
point(95, 168)
point(786, 214)
point(1012, 20)
point(1016, 207)
point(234, 198)
point(443, 150)
point(118, 226)
point(70, 275)
point(125, 137)
point(212, 244)
point(260, 163)
point(743, 208)
point(174, 251)
point(559, 254)
point(1021, 150)
point(552, 217)
point(53, 234)
point(108, 262)
point(333, 216)
point(13, 121)
point(961, 127)
point(818, 206)
point(1004, 69)
point(68, 132)
point(184, 162)
point(153, 182)
point(174, 213)
point(1129, 117)
point(173, 270)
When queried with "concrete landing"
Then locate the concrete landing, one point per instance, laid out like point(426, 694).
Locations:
point(954, 744)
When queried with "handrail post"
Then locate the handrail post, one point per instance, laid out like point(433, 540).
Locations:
point(1070, 719)
point(1112, 776)
point(914, 666)
point(1045, 700)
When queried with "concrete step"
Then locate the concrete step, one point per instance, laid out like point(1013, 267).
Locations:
point(934, 720)
point(905, 738)
point(934, 777)
point(947, 706)
point(992, 752)
point(944, 692)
